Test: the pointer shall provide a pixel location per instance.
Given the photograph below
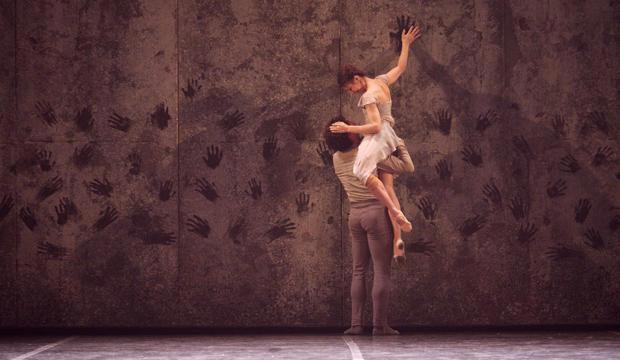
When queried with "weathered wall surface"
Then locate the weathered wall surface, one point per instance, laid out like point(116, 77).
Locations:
point(162, 162)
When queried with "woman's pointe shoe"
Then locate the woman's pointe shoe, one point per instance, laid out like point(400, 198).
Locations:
point(384, 330)
point(402, 221)
point(399, 251)
point(354, 330)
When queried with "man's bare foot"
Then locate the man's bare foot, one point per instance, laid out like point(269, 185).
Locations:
point(384, 330)
point(354, 330)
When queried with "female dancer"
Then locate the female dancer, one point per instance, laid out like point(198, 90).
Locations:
point(379, 140)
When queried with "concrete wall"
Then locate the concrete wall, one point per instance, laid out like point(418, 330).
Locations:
point(161, 161)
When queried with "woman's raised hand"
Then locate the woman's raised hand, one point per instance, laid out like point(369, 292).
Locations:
point(410, 35)
point(339, 127)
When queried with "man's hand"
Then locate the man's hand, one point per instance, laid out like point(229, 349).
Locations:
point(339, 127)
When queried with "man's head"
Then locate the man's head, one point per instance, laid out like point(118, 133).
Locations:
point(351, 79)
point(340, 141)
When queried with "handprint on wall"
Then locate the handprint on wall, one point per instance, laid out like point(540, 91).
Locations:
point(49, 188)
point(282, 228)
point(485, 121)
point(582, 209)
point(256, 190)
point(402, 24)
point(106, 217)
point(214, 156)
point(326, 155)
point(84, 119)
point(6, 205)
point(101, 188)
point(207, 189)
point(119, 122)
point(46, 113)
point(231, 120)
point(160, 116)
point(51, 251)
point(45, 160)
point(83, 155)
point(165, 190)
point(444, 169)
point(199, 226)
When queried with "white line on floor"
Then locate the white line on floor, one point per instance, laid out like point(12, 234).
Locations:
point(355, 351)
point(43, 348)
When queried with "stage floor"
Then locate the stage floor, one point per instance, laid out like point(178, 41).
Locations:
point(409, 345)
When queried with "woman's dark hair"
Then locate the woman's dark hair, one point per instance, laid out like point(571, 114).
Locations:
point(347, 72)
point(337, 141)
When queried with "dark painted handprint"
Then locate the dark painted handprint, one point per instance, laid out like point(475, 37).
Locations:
point(214, 156)
point(518, 207)
point(421, 247)
point(444, 169)
point(119, 122)
point(158, 237)
point(106, 217)
point(485, 121)
point(84, 119)
point(6, 205)
point(559, 125)
point(526, 232)
point(135, 163)
point(270, 148)
point(50, 187)
point(472, 155)
point(599, 121)
point(557, 189)
point(199, 226)
point(428, 208)
point(594, 239)
point(522, 146)
point(207, 189)
point(281, 228)
point(325, 154)
point(443, 121)
point(569, 164)
point(603, 154)
point(492, 193)
point(82, 156)
point(64, 210)
point(51, 251)
point(303, 202)
point(102, 188)
point(28, 218)
point(192, 89)
point(299, 128)
point(237, 228)
point(403, 24)
point(614, 223)
point(45, 160)
point(160, 116)
point(46, 112)
point(255, 189)
point(471, 225)
point(561, 252)
point(582, 209)
point(165, 190)
point(231, 120)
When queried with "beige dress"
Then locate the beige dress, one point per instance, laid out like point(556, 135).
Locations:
point(375, 148)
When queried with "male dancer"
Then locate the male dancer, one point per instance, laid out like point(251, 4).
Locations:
point(370, 229)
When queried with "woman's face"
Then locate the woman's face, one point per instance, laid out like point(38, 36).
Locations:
point(356, 85)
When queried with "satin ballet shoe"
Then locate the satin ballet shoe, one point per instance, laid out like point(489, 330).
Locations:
point(402, 221)
point(384, 330)
point(399, 251)
point(354, 330)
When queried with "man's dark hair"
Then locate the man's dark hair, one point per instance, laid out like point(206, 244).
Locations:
point(347, 72)
point(337, 141)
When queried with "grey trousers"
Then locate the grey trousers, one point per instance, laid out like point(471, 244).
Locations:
point(371, 238)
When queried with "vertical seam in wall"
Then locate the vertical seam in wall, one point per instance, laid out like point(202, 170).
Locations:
point(17, 287)
point(342, 282)
point(504, 48)
point(178, 152)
